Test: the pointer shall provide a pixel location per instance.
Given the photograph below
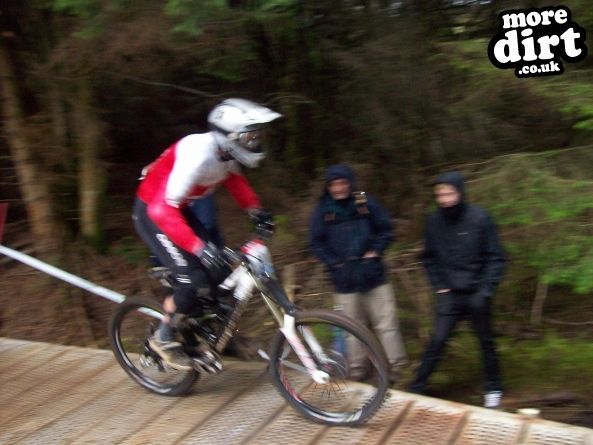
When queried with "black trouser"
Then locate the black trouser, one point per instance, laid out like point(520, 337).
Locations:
point(191, 280)
point(452, 307)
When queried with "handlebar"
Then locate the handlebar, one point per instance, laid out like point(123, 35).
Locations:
point(262, 231)
point(231, 256)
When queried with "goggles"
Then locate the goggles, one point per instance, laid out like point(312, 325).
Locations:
point(250, 140)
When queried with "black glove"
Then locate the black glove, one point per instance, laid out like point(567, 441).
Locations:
point(212, 259)
point(261, 216)
point(264, 222)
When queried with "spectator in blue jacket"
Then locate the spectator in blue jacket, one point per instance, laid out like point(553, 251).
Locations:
point(204, 209)
point(349, 233)
point(464, 262)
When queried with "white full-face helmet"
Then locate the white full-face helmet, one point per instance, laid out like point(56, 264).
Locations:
point(236, 125)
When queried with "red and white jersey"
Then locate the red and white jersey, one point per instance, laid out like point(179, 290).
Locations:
point(189, 169)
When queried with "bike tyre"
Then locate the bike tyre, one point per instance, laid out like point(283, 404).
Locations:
point(133, 304)
point(375, 354)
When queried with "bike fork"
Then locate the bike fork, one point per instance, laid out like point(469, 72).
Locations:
point(289, 331)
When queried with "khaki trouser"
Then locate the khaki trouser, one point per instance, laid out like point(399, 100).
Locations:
point(375, 309)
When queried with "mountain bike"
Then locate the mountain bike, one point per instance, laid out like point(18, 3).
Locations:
point(307, 356)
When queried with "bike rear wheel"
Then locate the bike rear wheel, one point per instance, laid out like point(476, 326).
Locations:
point(130, 327)
point(344, 400)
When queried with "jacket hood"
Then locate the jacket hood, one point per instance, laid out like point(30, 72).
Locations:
point(339, 171)
point(453, 178)
point(454, 213)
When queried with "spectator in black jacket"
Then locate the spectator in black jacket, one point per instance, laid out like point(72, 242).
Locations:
point(349, 233)
point(464, 262)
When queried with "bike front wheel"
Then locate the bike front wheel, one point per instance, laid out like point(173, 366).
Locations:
point(132, 324)
point(335, 342)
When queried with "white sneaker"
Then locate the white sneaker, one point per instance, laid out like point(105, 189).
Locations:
point(492, 399)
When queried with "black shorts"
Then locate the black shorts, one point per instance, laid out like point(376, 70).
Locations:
point(191, 280)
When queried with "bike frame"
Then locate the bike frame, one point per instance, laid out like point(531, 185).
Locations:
point(246, 281)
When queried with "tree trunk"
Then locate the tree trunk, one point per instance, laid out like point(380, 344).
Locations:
point(537, 308)
point(59, 123)
point(33, 181)
point(91, 172)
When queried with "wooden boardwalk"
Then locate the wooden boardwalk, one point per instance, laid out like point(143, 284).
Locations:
point(53, 394)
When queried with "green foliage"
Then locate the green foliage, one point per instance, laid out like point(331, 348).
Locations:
point(285, 234)
point(574, 93)
point(87, 10)
point(130, 249)
point(544, 203)
point(192, 14)
point(92, 14)
point(582, 12)
point(469, 56)
point(229, 64)
point(278, 5)
point(80, 8)
point(552, 362)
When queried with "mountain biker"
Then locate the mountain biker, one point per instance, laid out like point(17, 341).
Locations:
point(192, 167)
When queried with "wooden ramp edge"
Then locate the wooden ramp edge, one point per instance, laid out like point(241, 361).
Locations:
point(55, 394)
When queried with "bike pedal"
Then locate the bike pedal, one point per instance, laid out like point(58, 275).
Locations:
point(207, 362)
